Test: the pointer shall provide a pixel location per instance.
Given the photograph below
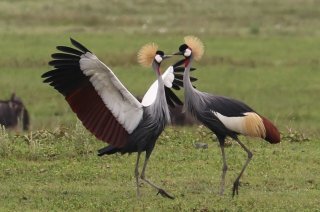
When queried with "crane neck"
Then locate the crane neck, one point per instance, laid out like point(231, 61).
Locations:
point(160, 80)
point(192, 97)
point(160, 107)
point(186, 76)
point(156, 68)
point(160, 92)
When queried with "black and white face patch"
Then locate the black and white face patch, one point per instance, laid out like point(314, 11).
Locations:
point(187, 52)
point(158, 58)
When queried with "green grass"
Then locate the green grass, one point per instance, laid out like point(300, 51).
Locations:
point(59, 170)
point(265, 53)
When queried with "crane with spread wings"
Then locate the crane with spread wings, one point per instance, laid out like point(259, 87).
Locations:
point(108, 110)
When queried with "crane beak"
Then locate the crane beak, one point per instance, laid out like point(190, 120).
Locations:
point(177, 53)
point(166, 56)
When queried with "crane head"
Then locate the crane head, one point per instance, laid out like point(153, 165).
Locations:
point(193, 47)
point(184, 50)
point(160, 56)
point(149, 55)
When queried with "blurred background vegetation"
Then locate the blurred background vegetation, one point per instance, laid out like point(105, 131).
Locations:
point(262, 52)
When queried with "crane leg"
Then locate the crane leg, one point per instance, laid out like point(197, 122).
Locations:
point(136, 174)
point(236, 182)
point(224, 169)
point(143, 177)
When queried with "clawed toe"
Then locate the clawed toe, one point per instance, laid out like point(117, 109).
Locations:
point(164, 194)
point(235, 189)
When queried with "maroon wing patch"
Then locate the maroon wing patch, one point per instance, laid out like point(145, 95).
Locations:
point(96, 117)
point(69, 80)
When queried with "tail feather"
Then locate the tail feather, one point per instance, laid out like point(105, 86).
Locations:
point(108, 150)
point(272, 133)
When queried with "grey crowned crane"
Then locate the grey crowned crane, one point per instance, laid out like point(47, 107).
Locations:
point(107, 109)
point(222, 115)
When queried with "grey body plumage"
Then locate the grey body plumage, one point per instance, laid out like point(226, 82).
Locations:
point(201, 105)
point(155, 118)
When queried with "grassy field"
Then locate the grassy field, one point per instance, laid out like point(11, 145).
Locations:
point(59, 170)
point(265, 53)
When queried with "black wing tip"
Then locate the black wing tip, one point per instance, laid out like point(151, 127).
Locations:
point(64, 56)
point(47, 80)
point(61, 63)
point(79, 45)
point(44, 75)
point(53, 55)
point(172, 98)
point(54, 63)
point(193, 79)
point(74, 42)
point(179, 63)
point(69, 50)
point(62, 48)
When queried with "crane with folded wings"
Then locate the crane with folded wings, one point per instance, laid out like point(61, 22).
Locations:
point(224, 116)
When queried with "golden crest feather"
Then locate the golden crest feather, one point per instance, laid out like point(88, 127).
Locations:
point(147, 53)
point(196, 45)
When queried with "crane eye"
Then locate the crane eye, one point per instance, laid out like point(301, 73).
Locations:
point(158, 58)
point(187, 52)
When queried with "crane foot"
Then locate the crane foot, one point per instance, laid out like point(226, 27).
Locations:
point(164, 194)
point(235, 189)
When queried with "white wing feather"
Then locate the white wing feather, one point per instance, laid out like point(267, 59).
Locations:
point(123, 105)
point(151, 94)
point(232, 123)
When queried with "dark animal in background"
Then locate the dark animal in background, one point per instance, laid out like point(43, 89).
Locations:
point(12, 111)
point(222, 115)
point(180, 117)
